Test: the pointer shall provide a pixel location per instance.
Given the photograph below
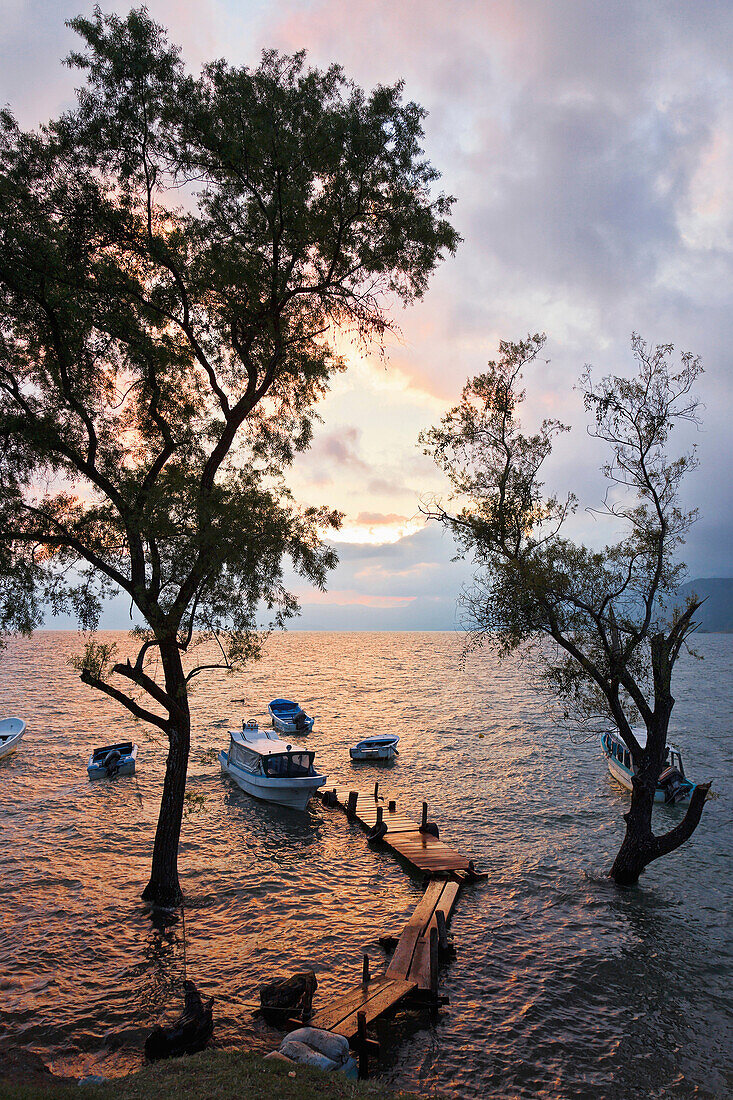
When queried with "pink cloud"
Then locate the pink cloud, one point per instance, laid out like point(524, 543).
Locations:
point(350, 598)
point(380, 517)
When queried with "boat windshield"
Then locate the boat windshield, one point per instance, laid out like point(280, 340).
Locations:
point(281, 765)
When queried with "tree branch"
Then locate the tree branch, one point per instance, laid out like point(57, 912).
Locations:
point(120, 697)
point(666, 843)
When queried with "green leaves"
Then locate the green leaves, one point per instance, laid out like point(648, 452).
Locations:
point(176, 254)
point(610, 617)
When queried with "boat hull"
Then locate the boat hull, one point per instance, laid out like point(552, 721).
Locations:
point(386, 753)
point(293, 792)
point(11, 734)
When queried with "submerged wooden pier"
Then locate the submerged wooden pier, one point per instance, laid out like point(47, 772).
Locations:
point(412, 974)
point(415, 842)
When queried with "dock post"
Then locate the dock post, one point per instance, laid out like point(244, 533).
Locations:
point(380, 815)
point(363, 1045)
point(365, 971)
point(443, 941)
point(392, 806)
point(376, 790)
point(424, 821)
point(434, 964)
point(351, 804)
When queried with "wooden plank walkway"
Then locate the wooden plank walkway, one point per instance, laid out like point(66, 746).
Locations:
point(413, 968)
point(427, 853)
point(373, 998)
point(422, 850)
point(411, 960)
point(366, 810)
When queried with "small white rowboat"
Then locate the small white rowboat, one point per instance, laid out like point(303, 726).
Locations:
point(11, 731)
point(375, 748)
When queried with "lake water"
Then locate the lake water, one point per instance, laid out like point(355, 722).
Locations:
point(563, 985)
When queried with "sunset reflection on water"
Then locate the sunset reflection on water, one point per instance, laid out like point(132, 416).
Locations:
point(556, 970)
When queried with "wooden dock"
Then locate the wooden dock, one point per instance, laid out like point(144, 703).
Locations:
point(413, 970)
point(373, 998)
point(406, 837)
point(411, 960)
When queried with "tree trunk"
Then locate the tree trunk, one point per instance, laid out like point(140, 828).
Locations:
point(640, 846)
point(635, 852)
point(163, 889)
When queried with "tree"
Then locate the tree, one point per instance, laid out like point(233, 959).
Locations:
point(176, 256)
point(603, 627)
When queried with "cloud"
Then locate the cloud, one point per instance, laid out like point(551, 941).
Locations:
point(589, 147)
point(340, 446)
point(380, 518)
point(339, 597)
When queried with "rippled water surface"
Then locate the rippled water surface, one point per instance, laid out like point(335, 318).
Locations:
point(563, 986)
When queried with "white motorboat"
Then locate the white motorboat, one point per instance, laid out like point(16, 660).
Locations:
point(269, 769)
point(673, 786)
point(112, 760)
point(11, 731)
point(375, 748)
point(289, 717)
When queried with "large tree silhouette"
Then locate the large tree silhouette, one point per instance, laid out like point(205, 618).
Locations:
point(604, 627)
point(176, 255)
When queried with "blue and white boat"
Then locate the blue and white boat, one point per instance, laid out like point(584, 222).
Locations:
point(289, 717)
point(375, 748)
point(269, 769)
point(11, 731)
point(673, 786)
point(112, 760)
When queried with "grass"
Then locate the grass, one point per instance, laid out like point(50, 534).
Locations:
point(212, 1075)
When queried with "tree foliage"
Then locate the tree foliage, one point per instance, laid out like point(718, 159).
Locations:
point(604, 627)
point(177, 253)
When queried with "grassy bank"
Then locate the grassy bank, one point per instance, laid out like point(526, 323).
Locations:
point(213, 1075)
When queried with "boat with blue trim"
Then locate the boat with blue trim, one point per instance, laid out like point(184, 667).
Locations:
point(269, 769)
point(673, 786)
point(112, 760)
point(375, 748)
point(11, 732)
point(288, 717)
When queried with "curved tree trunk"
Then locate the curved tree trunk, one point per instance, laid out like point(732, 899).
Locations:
point(163, 889)
point(640, 847)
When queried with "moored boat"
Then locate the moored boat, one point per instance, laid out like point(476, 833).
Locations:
point(673, 786)
point(11, 731)
point(288, 717)
point(112, 760)
point(375, 748)
point(269, 769)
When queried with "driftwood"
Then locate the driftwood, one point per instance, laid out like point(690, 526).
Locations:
point(290, 997)
point(190, 1033)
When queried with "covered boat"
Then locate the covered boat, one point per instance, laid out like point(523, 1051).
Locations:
point(269, 769)
point(673, 785)
point(289, 717)
point(111, 760)
point(11, 731)
point(375, 748)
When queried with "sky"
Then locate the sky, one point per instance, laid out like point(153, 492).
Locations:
point(589, 146)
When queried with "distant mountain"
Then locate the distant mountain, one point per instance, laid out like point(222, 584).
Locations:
point(716, 614)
